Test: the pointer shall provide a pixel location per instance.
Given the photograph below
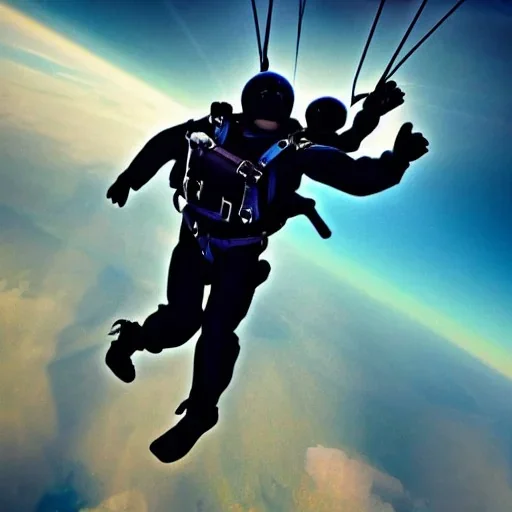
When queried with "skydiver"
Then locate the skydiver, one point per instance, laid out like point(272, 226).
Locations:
point(325, 116)
point(226, 255)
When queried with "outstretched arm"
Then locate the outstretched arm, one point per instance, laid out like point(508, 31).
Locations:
point(384, 99)
point(361, 177)
point(326, 115)
point(364, 176)
point(169, 144)
point(364, 124)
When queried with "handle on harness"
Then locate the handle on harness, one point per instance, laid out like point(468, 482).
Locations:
point(318, 223)
point(304, 206)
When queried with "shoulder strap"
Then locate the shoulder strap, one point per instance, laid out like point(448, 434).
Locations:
point(221, 132)
point(273, 152)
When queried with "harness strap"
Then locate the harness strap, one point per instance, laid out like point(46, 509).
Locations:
point(221, 131)
point(249, 208)
point(274, 151)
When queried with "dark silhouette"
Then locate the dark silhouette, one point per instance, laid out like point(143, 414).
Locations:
point(233, 205)
point(326, 115)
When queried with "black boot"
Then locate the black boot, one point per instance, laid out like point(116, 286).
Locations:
point(179, 440)
point(213, 371)
point(119, 354)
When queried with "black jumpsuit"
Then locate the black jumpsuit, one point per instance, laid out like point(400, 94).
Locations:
point(235, 273)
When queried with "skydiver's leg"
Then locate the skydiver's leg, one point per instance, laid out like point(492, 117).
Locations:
point(172, 324)
point(233, 287)
point(175, 323)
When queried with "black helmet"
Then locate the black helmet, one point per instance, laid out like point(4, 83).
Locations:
point(326, 114)
point(268, 96)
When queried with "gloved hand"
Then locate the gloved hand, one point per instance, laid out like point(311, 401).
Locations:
point(409, 146)
point(200, 140)
point(119, 191)
point(220, 109)
point(384, 99)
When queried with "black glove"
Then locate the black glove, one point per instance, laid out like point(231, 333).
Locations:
point(384, 99)
point(119, 191)
point(218, 109)
point(409, 146)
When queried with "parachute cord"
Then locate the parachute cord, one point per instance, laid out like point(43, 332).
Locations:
point(403, 41)
point(424, 38)
point(387, 73)
point(264, 61)
point(302, 8)
point(257, 27)
point(263, 50)
point(365, 51)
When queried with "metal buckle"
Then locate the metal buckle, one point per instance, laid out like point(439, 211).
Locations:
point(186, 182)
point(274, 151)
point(249, 172)
point(216, 121)
point(299, 140)
point(246, 215)
point(222, 208)
point(176, 201)
point(185, 187)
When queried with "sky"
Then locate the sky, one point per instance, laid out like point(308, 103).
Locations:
point(444, 235)
point(398, 350)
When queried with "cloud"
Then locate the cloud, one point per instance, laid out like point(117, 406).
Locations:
point(28, 329)
point(20, 31)
point(30, 323)
point(93, 112)
point(347, 484)
point(87, 126)
point(53, 301)
point(54, 388)
point(113, 434)
point(56, 303)
point(67, 129)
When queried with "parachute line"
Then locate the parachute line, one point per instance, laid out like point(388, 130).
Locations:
point(263, 50)
point(388, 73)
point(365, 51)
point(302, 8)
point(257, 27)
point(403, 41)
point(424, 38)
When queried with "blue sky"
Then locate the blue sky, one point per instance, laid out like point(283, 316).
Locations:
point(444, 235)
